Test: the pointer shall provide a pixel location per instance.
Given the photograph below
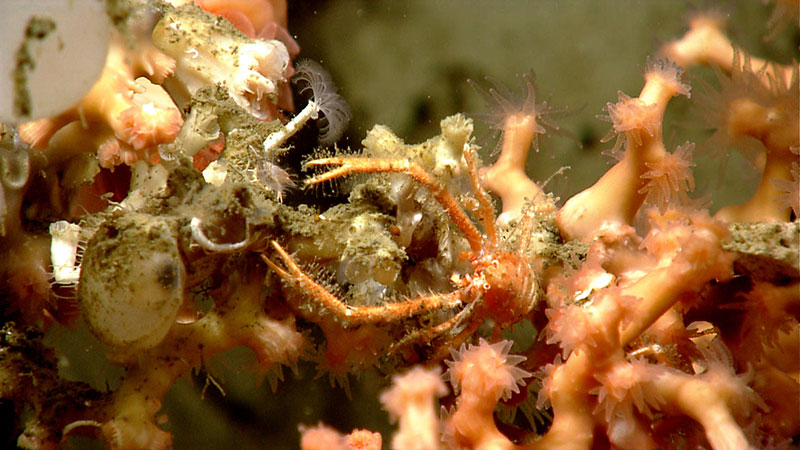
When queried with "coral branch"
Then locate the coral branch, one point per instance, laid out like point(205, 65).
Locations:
point(617, 196)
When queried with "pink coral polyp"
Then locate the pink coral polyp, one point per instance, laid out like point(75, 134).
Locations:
point(486, 368)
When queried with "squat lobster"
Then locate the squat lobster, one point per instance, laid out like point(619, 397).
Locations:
point(503, 286)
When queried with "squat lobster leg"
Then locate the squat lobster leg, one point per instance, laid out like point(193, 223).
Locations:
point(356, 315)
point(502, 285)
point(455, 331)
point(350, 166)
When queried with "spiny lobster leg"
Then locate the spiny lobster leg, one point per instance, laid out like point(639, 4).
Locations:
point(349, 166)
point(355, 315)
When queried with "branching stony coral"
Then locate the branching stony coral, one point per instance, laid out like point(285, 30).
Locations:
point(675, 331)
point(756, 102)
point(767, 114)
point(617, 195)
point(521, 121)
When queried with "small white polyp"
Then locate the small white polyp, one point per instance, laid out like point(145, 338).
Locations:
point(64, 252)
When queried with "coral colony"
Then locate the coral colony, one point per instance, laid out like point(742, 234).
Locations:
point(654, 323)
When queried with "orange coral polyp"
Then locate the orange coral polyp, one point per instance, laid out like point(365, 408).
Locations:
point(132, 115)
point(621, 388)
point(669, 76)
point(149, 125)
point(524, 126)
point(746, 118)
point(412, 401)
point(670, 180)
point(483, 374)
point(704, 43)
point(507, 177)
point(257, 12)
point(486, 370)
point(633, 116)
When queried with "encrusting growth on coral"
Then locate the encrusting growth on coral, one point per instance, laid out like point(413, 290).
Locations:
point(135, 404)
point(160, 212)
point(209, 52)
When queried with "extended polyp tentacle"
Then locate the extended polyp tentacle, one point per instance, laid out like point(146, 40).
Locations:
point(350, 166)
point(355, 315)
